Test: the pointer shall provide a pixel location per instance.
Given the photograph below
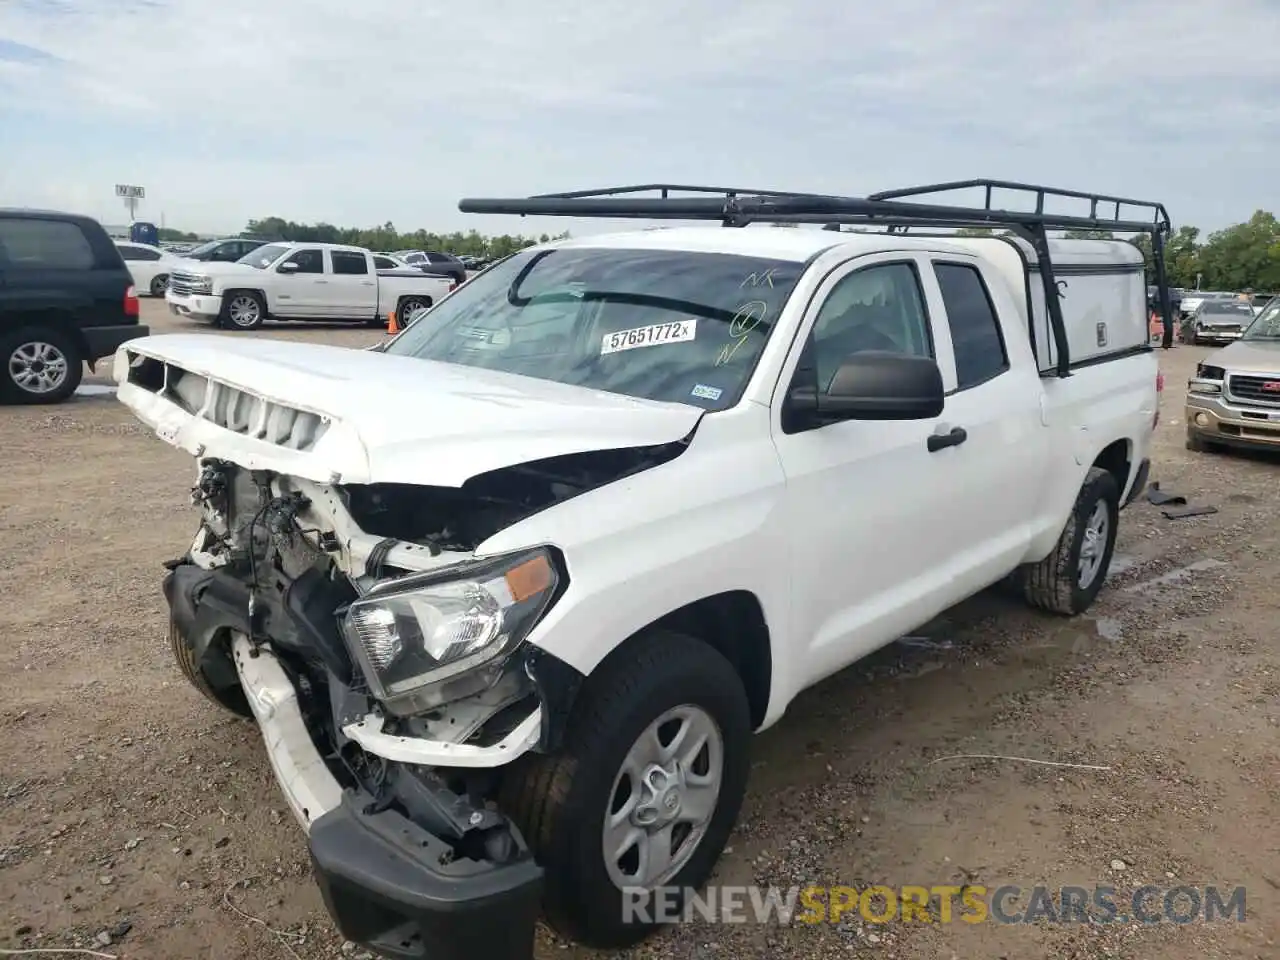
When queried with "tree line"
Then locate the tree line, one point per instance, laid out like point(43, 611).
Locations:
point(388, 238)
point(384, 238)
point(1242, 256)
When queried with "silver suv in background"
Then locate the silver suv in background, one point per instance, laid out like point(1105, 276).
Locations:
point(445, 264)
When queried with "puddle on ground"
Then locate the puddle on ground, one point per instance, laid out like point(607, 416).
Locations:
point(1175, 576)
point(1109, 628)
point(1119, 564)
point(95, 390)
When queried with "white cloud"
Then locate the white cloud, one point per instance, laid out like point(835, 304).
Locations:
point(373, 111)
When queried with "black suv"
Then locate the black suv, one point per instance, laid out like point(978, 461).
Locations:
point(66, 299)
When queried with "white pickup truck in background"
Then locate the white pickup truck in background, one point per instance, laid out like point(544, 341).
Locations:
point(302, 281)
point(671, 479)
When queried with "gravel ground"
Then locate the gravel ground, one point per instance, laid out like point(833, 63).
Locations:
point(134, 814)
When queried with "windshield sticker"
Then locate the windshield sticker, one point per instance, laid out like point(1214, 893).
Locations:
point(677, 331)
point(703, 392)
point(745, 319)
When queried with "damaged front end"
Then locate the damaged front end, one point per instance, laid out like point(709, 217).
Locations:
point(392, 684)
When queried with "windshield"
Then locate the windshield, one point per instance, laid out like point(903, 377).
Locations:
point(204, 248)
point(264, 257)
point(1267, 324)
point(658, 324)
point(1226, 308)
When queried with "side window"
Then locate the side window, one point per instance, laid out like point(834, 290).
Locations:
point(45, 244)
point(348, 264)
point(879, 308)
point(308, 261)
point(975, 331)
point(142, 253)
point(415, 258)
point(379, 263)
point(227, 253)
point(128, 252)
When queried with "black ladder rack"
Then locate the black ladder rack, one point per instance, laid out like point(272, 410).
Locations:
point(894, 210)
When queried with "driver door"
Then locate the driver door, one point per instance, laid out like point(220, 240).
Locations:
point(867, 505)
point(302, 286)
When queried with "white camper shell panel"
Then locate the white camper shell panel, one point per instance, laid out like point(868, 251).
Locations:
point(1104, 293)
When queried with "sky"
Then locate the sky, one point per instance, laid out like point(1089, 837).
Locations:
point(358, 113)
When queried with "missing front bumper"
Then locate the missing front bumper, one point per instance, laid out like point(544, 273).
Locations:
point(390, 885)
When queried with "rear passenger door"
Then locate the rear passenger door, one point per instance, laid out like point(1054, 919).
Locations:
point(999, 470)
point(352, 286)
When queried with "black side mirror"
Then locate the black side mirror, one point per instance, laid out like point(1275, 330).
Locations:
point(875, 385)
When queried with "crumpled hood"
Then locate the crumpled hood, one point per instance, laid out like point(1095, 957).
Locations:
point(333, 414)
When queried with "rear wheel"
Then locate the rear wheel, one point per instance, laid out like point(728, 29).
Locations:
point(232, 699)
point(1068, 580)
point(408, 307)
point(41, 365)
point(643, 793)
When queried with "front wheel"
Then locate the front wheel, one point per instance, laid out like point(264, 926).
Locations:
point(243, 310)
point(1068, 580)
point(228, 698)
point(159, 285)
point(643, 794)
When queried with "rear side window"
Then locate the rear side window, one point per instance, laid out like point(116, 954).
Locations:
point(381, 263)
point(44, 244)
point(137, 253)
point(349, 264)
point(975, 331)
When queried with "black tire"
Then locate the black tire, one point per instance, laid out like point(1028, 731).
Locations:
point(409, 306)
point(559, 802)
point(237, 314)
point(159, 285)
point(231, 699)
point(26, 353)
point(1054, 584)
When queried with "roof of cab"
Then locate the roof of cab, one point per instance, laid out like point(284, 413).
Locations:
point(798, 244)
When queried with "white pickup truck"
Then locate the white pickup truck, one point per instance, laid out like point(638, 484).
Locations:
point(302, 281)
point(507, 655)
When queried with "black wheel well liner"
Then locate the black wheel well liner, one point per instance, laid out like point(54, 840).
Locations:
point(732, 623)
point(1117, 460)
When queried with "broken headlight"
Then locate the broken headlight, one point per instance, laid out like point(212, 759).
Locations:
point(426, 640)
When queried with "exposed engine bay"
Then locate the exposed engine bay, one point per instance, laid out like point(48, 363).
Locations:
point(279, 560)
point(461, 518)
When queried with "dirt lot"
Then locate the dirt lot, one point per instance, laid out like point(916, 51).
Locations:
point(130, 805)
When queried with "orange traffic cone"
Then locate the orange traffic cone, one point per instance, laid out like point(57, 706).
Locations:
point(392, 327)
